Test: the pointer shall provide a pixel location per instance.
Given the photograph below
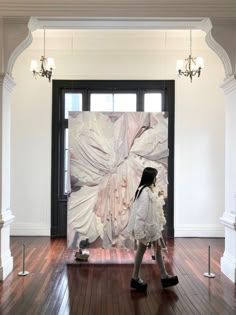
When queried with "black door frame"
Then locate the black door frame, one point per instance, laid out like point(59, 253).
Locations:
point(59, 87)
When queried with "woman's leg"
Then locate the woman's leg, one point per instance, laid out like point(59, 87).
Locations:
point(138, 260)
point(166, 280)
point(159, 259)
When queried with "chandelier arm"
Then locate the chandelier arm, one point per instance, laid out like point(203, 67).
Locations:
point(44, 42)
point(190, 42)
point(185, 73)
point(42, 71)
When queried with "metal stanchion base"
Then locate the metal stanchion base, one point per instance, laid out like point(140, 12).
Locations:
point(209, 275)
point(23, 273)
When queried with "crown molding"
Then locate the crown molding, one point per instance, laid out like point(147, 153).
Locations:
point(15, 19)
point(120, 23)
point(224, 21)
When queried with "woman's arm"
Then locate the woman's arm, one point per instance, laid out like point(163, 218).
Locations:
point(141, 214)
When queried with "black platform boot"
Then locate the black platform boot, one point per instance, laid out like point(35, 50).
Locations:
point(139, 285)
point(169, 282)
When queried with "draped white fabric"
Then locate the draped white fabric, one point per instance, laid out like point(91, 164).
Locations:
point(108, 152)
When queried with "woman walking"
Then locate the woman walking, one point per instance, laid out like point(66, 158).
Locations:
point(146, 224)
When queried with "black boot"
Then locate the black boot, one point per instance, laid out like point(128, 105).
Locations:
point(139, 285)
point(169, 282)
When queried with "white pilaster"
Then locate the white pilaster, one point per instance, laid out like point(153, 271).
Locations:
point(14, 38)
point(6, 217)
point(228, 261)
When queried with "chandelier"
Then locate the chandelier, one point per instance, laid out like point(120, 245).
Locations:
point(192, 66)
point(47, 65)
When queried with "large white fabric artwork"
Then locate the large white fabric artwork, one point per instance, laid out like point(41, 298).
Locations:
point(108, 152)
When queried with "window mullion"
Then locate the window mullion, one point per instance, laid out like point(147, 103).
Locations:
point(140, 100)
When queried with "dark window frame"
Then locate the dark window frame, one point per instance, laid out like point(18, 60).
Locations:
point(59, 123)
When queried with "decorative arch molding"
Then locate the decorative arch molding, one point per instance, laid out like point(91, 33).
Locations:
point(202, 23)
point(219, 50)
point(17, 37)
point(19, 30)
point(18, 50)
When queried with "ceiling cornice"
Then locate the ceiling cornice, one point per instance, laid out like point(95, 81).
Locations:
point(128, 8)
point(119, 23)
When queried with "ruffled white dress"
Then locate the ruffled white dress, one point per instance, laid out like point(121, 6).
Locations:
point(147, 217)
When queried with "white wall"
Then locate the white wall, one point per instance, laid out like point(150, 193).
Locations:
point(199, 119)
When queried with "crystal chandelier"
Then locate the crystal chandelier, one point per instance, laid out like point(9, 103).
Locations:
point(192, 66)
point(47, 65)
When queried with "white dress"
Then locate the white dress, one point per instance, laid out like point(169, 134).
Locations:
point(147, 217)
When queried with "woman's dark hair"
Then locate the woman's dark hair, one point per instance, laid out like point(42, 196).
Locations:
point(148, 178)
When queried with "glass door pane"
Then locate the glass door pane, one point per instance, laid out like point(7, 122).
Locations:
point(73, 102)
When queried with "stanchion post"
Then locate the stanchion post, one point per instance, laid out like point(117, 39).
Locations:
point(209, 274)
point(23, 272)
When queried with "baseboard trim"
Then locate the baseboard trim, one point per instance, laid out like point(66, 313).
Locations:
point(7, 268)
point(29, 229)
point(199, 231)
point(228, 267)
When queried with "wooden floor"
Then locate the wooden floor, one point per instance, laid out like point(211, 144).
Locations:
point(57, 284)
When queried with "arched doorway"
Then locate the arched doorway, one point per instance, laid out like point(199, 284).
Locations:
point(143, 23)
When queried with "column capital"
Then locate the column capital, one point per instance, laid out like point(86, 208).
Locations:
point(229, 84)
point(7, 81)
point(6, 218)
point(229, 220)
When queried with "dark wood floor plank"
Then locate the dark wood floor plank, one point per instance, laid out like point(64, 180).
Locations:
point(57, 284)
point(64, 305)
